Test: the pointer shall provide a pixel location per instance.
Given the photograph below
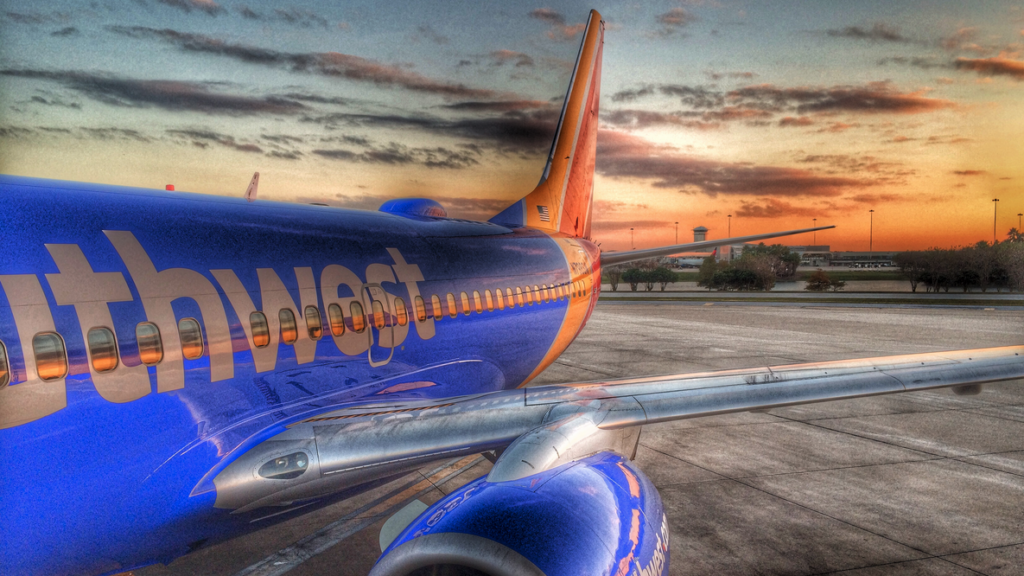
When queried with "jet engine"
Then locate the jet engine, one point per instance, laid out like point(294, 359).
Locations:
point(597, 515)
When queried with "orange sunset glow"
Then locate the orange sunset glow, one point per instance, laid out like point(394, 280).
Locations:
point(780, 115)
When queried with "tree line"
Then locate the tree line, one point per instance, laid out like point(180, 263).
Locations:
point(982, 266)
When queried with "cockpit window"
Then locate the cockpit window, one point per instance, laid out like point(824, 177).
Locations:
point(5, 367)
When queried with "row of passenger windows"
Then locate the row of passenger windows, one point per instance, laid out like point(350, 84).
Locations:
point(52, 361)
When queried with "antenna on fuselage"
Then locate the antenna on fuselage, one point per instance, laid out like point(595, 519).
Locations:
point(250, 192)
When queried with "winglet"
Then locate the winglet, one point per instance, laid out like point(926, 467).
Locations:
point(562, 200)
point(250, 192)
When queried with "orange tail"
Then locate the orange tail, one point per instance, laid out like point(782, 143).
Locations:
point(562, 200)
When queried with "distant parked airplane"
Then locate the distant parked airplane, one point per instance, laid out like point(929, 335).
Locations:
point(178, 369)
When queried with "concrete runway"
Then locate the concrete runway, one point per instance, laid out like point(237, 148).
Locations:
point(920, 483)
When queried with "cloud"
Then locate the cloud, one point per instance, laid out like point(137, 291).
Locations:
point(874, 198)
point(872, 98)
point(66, 31)
point(398, 154)
point(631, 95)
point(694, 96)
point(522, 132)
point(969, 172)
point(203, 138)
point(248, 13)
point(558, 30)
point(208, 6)
point(54, 101)
point(173, 95)
point(996, 66)
point(716, 76)
point(878, 32)
point(923, 62)
point(501, 57)
point(837, 127)
point(330, 64)
point(38, 17)
point(621, 155)
point(674, 20)
point(301, 18)
point(640, 119)
point(498, 105)
point(790, 121)
point(959, 39)
point(774, 208)
point(432, 35)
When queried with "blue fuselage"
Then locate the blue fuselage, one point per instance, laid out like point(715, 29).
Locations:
point(99, 467)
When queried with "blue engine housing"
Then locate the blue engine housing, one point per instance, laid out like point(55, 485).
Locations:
point(599, 515)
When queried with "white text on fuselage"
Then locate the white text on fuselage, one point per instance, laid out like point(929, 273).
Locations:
point(91, 292)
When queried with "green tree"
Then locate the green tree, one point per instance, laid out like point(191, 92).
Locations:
point(706, 274)
point(663, 276)
point(633, 277)
point(911, 266)
point(819, 281)
point(614, 275)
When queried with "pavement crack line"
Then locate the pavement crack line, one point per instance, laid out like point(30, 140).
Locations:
point(288, 558)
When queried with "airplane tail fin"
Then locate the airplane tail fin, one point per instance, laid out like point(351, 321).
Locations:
point(562, 201)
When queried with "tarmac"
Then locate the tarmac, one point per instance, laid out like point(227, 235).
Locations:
point(919, 483)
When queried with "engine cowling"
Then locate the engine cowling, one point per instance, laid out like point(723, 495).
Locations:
point(598, 515)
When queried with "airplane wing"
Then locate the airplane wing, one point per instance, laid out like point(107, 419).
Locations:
point(535, 429)
point(611, 258)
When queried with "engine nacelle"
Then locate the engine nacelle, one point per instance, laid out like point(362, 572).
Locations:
point(598, 515)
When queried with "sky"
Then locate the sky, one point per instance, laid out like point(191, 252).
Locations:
point(780, 114)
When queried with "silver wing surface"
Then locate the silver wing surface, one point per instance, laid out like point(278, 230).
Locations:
point(532, 429)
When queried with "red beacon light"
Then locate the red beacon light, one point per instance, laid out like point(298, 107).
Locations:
point(169, 187)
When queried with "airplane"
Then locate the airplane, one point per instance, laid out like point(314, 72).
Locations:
point(179, 369)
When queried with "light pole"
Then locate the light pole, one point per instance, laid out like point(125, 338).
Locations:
point(677, 232)
point(1018, 222)
point(815, 241)
point(730, 226)
point(631, 243)
point(871, 235)
point(995, 212)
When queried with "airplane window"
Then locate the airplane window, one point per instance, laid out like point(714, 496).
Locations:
point(378, 314)
point(336, 319)
point(465, 303)
point(191, 336)
point(358, 319)
point(536, 294)
point(488, 301)
point(477, 303)
point(511, 301)
point(401, 313)
point(501, 299)
point(452, 311)
point(260, 329)
point(289, 329)
point(314, 325)
point(519, 296)
point(5, 369)
point(421, 309)
point(102, 350)
point(151, 347)
point(529, 295)
point(435, 307)
point(562, 292)
point(546, 293)
point(51, 360)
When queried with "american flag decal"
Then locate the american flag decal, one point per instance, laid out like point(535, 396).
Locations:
point(544, 215)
